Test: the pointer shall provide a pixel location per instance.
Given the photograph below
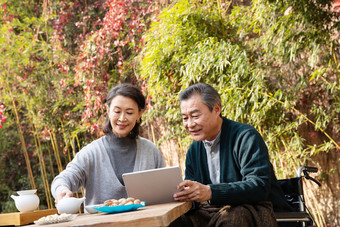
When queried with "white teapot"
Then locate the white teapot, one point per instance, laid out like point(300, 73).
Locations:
point(69, 205)
point(26, 201)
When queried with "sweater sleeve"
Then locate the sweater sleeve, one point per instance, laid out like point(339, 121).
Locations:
point(189, 171)
point(253, 183)
point(73, 176)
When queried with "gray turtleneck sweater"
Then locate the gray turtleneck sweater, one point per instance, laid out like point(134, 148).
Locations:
point(99, 166)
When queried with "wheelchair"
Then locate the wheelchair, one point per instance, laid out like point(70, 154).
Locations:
point(293, 190)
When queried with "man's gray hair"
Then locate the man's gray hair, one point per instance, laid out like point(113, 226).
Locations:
point(209, 95)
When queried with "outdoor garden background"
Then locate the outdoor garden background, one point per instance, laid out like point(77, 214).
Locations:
point(274, 62)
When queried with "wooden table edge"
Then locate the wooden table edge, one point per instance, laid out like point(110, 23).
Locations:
point(24, 218)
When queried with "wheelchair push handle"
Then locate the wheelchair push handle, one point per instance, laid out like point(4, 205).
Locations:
point(311, 169)
point(305, 170)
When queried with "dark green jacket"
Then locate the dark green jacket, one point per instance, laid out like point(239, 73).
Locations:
point(246, 174)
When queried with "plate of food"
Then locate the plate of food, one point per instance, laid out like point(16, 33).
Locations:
point(55, 218)
point(117, 206)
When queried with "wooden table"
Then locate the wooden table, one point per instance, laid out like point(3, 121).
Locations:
point(148, 216)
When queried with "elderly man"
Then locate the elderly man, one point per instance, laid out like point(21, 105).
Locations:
point(228, 174)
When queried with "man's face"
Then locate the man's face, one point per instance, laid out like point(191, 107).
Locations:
point(198, 120)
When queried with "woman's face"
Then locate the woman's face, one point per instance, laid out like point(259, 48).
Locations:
point(123, 114)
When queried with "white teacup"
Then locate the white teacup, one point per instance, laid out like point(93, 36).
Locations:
point(69, 205)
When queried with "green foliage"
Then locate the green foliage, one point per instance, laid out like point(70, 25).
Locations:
point(57, 61)
point(37, 85)
point(13, 170)
point(270, 68)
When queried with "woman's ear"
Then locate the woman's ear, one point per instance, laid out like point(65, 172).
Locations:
point(107, 110)
point(140, 115)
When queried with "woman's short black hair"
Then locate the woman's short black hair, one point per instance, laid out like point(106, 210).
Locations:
point(127, 90)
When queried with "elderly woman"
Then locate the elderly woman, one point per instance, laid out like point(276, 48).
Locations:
point(98, 167)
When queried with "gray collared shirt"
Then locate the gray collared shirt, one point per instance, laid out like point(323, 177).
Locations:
point(213, 155)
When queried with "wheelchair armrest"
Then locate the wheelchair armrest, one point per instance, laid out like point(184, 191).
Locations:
point(292, 216)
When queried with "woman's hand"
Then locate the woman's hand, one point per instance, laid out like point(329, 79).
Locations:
point(64, 193)
point(193, 191)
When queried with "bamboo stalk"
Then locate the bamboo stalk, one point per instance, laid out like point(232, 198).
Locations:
point(66, 143)
point(153, 134)
point(43, 170)
point(51, 163)
point(56, 151)
point(73, 148)
point(311, 200)
point(49, 153)
point(23, 143)
point(68, 154)
point(41, 162)
point(77, 139)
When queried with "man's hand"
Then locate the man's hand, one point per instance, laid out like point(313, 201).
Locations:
point(64, 193)
point(192, 191)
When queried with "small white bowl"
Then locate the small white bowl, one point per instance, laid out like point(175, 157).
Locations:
point(90, 209)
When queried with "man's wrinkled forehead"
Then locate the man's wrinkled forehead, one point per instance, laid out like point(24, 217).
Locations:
point(191, 105)
point(191, 112)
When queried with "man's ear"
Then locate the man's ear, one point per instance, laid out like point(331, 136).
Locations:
point(217, 108)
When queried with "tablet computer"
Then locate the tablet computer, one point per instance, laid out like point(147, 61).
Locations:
point(153, 186)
